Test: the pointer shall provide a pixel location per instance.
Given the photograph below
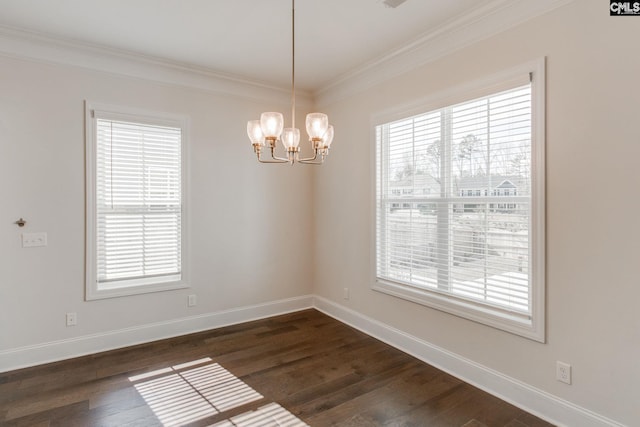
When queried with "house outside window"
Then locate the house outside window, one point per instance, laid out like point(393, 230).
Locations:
point(479, 258)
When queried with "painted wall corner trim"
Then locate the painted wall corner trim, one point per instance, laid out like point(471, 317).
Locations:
point(535, 401)
point(482, 23)
point(53, 351)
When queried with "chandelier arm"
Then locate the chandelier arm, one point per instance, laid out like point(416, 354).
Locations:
point(304, 162)
point(274, 158)
point(311, 160)
point(273, 161)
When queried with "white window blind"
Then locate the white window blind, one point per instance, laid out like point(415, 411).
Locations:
point(453, 206)
point(137, 211)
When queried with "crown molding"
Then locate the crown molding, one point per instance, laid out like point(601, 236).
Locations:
point(480, 23)
point(20, 44)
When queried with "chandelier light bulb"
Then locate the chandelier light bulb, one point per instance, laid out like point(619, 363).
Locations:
point(291, 138)
point(327, 138)
point(317, 124)
point(271, 124)
point(255, 132)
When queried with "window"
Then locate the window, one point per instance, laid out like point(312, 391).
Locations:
point(135, 202)
point(469, 259)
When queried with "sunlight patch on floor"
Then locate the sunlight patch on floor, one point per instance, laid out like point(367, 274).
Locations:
point(178, 395)
point(271, 415)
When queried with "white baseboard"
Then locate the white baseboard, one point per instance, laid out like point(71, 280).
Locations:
point(32, 355)
point(530, 399)
point(524, 396)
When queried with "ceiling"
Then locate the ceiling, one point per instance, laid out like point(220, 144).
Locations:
point(249, 39)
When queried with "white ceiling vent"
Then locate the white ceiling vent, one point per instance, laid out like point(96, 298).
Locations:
point(393, 3)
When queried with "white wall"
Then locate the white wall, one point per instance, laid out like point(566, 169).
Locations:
point(249, 224)
point(593, 149)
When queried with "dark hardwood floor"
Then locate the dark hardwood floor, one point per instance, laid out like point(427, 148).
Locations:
point(298, 369)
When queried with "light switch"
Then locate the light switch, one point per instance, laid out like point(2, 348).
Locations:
point(30, 240)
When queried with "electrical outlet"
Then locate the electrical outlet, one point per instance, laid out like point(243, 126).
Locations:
point(563, 372)
point(346, 293)
point(191, 301)
point(72, 319)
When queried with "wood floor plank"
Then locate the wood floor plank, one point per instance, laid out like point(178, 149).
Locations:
point(359, 385)
point(48, 417)
point(485, 409)
point(318, 369)
point(385, 403)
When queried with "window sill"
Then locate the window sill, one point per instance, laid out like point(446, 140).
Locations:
point(514, 323)
point(96, 294)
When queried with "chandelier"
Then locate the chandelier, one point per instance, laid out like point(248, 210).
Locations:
point(270, 128)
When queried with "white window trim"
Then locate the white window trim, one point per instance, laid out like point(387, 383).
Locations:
point(129, 114)
point(533, 328)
